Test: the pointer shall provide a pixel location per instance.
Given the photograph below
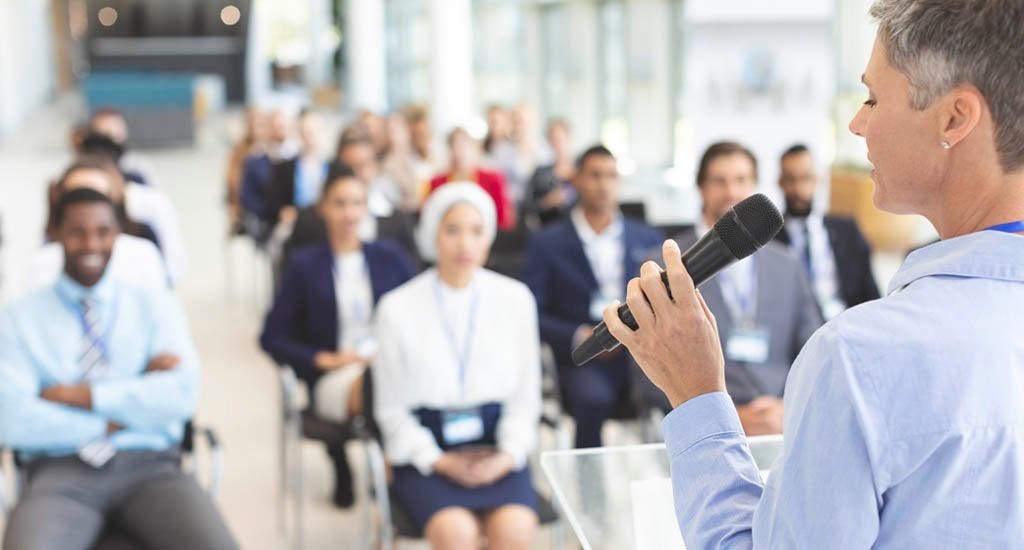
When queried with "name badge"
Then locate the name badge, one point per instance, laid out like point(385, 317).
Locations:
point(748, 346)
point(461, 427)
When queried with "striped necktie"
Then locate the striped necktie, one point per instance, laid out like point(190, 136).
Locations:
point(92, 364)
point(92, 357)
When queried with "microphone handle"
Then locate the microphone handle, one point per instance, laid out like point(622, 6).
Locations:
point(702, 261)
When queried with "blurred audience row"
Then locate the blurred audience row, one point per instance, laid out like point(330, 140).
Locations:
point(385, 307)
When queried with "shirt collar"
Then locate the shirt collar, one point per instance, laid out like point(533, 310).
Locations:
point(984, 255)
point(101, 292)
point(587, 233)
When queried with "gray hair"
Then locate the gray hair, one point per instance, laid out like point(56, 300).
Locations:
point(941, 44)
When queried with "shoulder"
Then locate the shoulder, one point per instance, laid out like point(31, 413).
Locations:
point(387, 249)
point(489, 177)
point(306, 256)
point(551, 234)
point(494, 282)
point(406, 297)
point(642, 230)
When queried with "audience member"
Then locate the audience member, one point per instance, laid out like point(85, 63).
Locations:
point(112, 123)
point(135, 259)
point(457, 383)
point(502, 153)
point(463, 153)
point(295, 182)
point(835, 255)
point(145, 205)
point(422, 139)
point(97, 379)
point(763, 303)
point(577, 267)
point(253, 135)
point(550, 194)
point(258, 172)
point(320, 324)
point(375, 126)
point(403, 166)
point(356, 150)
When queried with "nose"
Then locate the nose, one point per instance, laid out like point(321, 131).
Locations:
point(857, 122)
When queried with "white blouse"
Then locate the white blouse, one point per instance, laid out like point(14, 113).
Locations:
point(417, 367)
point(354, 295)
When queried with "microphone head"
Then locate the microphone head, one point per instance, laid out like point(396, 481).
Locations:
point(749, 225)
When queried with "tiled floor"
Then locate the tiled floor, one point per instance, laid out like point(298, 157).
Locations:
point(240, 397)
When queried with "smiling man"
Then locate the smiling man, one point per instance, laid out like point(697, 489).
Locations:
point(97, 378)
point(903, 419)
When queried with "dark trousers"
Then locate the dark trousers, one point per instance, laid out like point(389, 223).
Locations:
point(592, 392)
point(142, 496)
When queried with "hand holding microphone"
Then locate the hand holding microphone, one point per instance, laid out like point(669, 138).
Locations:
point(665, 323)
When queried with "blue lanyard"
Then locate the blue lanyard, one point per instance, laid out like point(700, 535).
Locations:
point(745, 304)
point(359, 311)
point(1011, 227)
point(463, 358)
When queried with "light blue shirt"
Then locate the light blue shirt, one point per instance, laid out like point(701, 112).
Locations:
point(904, 422)
point(39, 345)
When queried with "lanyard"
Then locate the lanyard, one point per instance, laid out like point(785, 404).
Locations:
point(743, 305)
point(358, 310)
point(1011, 227)
point(463, 357)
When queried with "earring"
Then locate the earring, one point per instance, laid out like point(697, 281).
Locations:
point(945, 144)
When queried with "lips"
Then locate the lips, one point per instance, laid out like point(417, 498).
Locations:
point(91, 261)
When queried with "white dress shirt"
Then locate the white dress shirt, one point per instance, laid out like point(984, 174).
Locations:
point(738, 283)
point(605, 251)
point(417, 367)
point(824, 276)
point(134, 260)
point(152, 207)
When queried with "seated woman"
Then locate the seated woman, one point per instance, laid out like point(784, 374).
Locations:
point(321, 321)
point(457, 383)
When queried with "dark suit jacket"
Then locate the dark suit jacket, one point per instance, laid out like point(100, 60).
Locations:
point(281, 192)
point(562, 281)
point(785, 306)
point(304, 317)
point(853, 260)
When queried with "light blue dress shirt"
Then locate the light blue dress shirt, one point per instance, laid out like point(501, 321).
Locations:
point(904, 422)
point(39, 343)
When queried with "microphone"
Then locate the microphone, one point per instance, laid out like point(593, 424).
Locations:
point(745, 228)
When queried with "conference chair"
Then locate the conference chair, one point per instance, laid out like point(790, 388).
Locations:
point(297, 423)
point(113, 539)
point(508, 252)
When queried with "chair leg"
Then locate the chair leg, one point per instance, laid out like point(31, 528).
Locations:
point(378, 477)
point(300, 491)
point(282, 466)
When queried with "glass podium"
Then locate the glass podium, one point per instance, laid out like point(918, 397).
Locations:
point(621, 497)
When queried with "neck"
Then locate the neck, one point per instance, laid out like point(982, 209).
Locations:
point(462, 173)
point(342, 244)
point(455, 278)
point(980, 206)
point(599, 220)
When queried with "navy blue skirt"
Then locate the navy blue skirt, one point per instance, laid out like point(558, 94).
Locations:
point(423, 496)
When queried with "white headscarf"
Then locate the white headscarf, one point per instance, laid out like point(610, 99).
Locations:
point(440, 202)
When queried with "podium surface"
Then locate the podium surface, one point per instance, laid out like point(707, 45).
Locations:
point(621, 497)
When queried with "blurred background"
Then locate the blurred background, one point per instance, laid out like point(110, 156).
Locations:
point(654, 80)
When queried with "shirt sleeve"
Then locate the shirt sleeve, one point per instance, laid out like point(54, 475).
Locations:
point(517, 430)
point(153, 400)
point(830, 462)
point(405, 440)
point(27, 422)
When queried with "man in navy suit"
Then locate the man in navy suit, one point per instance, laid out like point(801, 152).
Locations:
point(832, 250)
point(575, 268)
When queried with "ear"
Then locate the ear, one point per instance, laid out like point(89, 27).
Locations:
point(962, 113)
